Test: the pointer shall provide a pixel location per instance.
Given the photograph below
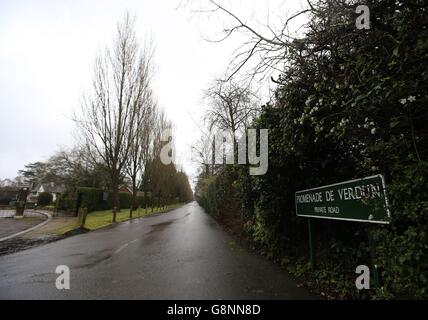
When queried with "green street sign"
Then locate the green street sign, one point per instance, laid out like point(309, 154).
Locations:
point(353, 200)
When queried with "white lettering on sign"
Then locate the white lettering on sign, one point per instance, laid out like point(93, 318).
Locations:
point(349, 193)
point(353, 200)
point(326, 210)
point(320, 209)
point(329, 195)
point(358, 192)
point(310, 197)
point(333, 210)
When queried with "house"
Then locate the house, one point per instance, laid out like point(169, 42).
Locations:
point(51, 188)
point(126, 189)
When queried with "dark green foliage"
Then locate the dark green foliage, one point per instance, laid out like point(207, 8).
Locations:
point(219, 195)
point(166, 183)
point(7, 195)
point(44, 199)
point(125, 200)
point(183, 191)
point(66, 202)
point(142, 203)
point(92, 199)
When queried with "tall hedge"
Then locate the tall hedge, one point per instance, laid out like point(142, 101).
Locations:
point(44, 199)
point(93, 199)
point(66, 202)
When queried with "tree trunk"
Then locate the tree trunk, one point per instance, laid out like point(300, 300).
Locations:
point(83, 215)
point(145, 200)
point(115, 196)
point(134, 197)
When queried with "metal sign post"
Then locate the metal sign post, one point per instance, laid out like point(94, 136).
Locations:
point(372, 251)
point(311, 245)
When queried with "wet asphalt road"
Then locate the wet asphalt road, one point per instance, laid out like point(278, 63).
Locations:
point(183, 254)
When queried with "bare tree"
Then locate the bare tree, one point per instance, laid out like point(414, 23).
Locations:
point(231, 107)
point(139, 146)
point(158, 174)
point(147, 146)
point(109, 113)
point(203, 153)
point(76, 169)
point(266, 44)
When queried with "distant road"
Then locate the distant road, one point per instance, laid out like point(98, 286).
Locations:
point(183, 254)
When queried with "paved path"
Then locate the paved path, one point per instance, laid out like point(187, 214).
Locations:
point(183, 254)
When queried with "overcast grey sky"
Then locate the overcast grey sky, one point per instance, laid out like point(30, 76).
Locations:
point(46, 53)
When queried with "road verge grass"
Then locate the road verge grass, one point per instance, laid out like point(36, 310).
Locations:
point(100, 219)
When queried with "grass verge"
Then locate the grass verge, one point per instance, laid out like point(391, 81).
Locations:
point(100, 219)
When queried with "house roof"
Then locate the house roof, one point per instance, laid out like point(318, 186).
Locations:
point(51, 187)
point(124, 188)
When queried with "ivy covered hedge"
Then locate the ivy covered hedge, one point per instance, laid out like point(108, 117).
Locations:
point(351, 103)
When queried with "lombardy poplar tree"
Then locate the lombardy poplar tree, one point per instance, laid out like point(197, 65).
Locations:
point(110, 113)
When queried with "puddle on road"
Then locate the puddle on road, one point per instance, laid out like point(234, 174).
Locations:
point(162, 225)
point(96, 259)
point(159, 227)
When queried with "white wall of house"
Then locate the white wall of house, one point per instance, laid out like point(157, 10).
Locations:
point(34, 195)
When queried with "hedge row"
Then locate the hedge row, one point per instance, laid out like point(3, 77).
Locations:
point(45, 198)
point(94, 199)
